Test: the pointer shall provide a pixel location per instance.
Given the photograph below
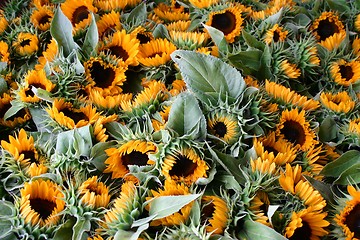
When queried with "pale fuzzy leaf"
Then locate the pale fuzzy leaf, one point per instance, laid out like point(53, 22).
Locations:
point(166, 205)
point(218, 37)
point(130, 235)
point(98, 154)
point(344, 162)
point(15, 107)
point(91, 37)
point(257, 231)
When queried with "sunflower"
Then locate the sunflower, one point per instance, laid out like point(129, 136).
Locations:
point(294, 128)
point(347, 218)
point(180, 25)
point(41, 203)
point(21, 117)
point(41, 3)
point(328, 30)
point(3, 22)
point(98, 127)
point(4, 52)
point(70, 117)
point(103, 76)
point(263, 166)
point(35, 79)
point(340, 102)
point(108, 23)
point(214, 211)
point(228, 21)
point(224, 126)
point(177, 87)
point(156, 52)
point(164, 114)
point(356, 46)
point(171, 189)
point(23, 150)
point(290, 70)
point(93, 193)
point(307, 224)
point(345, 73)
point(314, 161)
point(354, 126)
point(275, 34)
point(203, 3)
point(290, 97)
point(41, 18)
point(123, 47)
point(133, 152)
point(26, 44)
point(110, 5)
point(273, 7)
point(170, 13)
point(259, 205)
point(48, 55)
point(142, 34)
point(78, 12)
point(189, 40)
point(184, 165)
point(281, 152)
point(110, 103)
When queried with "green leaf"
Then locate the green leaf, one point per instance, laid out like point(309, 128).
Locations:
point(98, 154)
point(340, 6)
point(252, 41)
point(15, 107)
point(161, 31)
point(42, 94)
point(275, 18)
point(81, 226)
point(61, 30)
point(3, 85)
point(186, 117)
point(166, 205)
point(218, 37)
point(3, 66)
point(340, 165)
point(39, 117)
point(247, 60)
point(324, 189)
point(91, 38)
point(350, 175)
point(138, 15)
point(329, 132)
point(257, 231)
point(117, 130)
point(78, 141)
point(209, 77)
point(65, 231)
point(130, 235)
point(264, 71)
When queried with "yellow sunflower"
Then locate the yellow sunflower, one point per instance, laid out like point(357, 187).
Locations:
point(41, 3)
point(108, 102)
point(23, 150)
point(110, 5)
point(328, 30)
point(180, 25)
point(184, 165)
point(158, 125)
point(170, 14)
point(290, 70)
point(345, 73)
point(259, 205)
point(273, 7)
point(203, 3)
point(263, 166)
point(294, 128)
point(215, 212)
point(93, 193)
point(104, 77)
point(348, 216)
point(142, 34)
point(35, 79)
point(133, 152)
point(224, 126)
point(98, 127)
point(354, 126)
point(340, 102)
point(356, 46)
point(70, 117)
point(26, 44)
point(275, 34)
point(307, 224)
point(172, 189)
point(41, 203)
point(357, 23)
point(3, 22)
point(314, 161)
point(189, 40)
point(108, 24)
point(123, 47)
point(19, 118)
point(78, 12)
point(48, 55)
point(288, 96)
point(41, 18)
point(228, 21)
point(156, 52)
point(4, 52)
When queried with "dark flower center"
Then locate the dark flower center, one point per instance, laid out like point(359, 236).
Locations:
point(182, 167)
point(108, 31)
point(76, 116)
point(80, 14)
point(271, 149)
point(326, 29)
point(302, 233)
point(43, 207)
point(346, 72)
point(102, 76)
point(143, 38)
point(31, 156)
point(207, 212)
point(353, 221)
point(25, 42)
point(119, 52)
point(93, 188)
point(293, 132)
point(220, 129)
point(225, 22)
point(135, 158)
point(276, 36)
point(44, 19)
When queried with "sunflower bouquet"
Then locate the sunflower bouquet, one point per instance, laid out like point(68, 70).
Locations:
point(179, 119)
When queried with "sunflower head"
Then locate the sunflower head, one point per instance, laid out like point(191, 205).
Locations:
point(155, 52)
point(344, 72)
point(275, 34)
point(214, 211)
point(93, 193)
point(18, 119)
point(41, 18)
point(340, 102)
point(26, 44)
point(78, 12)
point(108, 24)
point(189, 40)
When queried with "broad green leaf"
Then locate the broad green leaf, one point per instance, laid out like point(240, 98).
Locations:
point(264, 71)
point(275, 18)
point(42, 94)
point(15, 107)
point(252, 41)
point(61, 30)
point(81, 226)
point(130, 235)
point(324, 189)
point(6, 209)
point(340, 165)
point(98, 154)
point(329, 132)
point(166, 205)
point(218, 37)
point(65, 232)
point(91, 37)
point(3, 85)
point(257, 231)
point(117, 130)
point(186, 117)
point(142, 221)
point(340, 6)
point(350, 175)
point(39, 117)
point(138, 15)
point(209, 77)
point(78, 141)
point(247, 60)
point(3, 66)
point(161, 31)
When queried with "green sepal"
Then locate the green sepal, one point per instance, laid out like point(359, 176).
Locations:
point(91, 38)
point(3, 86)
point(264, 71)
point(252, 41)
point(80, 228)
point(117, 130)
point(339, 166)
point(209, 77)
point(218, 37)
point(186, 117)
point(98, 154)
point(257, 231)
point(61, 29)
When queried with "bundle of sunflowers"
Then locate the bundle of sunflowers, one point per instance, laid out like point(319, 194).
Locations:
point(179, 119)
